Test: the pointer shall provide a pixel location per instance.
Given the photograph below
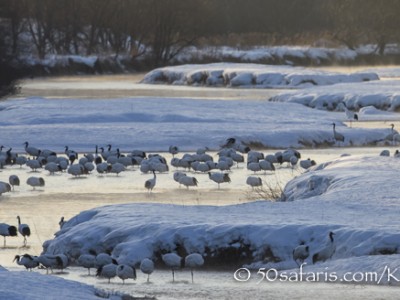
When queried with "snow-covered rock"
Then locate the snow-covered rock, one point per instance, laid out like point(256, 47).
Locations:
point(383, 95)
point(251, 75)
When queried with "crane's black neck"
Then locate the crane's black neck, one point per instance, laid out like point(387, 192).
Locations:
point(331, 236)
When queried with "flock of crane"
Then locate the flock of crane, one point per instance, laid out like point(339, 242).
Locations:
point(107, 160)
point(110, 161)
point(108, 267)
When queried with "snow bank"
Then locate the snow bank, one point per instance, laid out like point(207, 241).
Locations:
point(250, 75)
point(75, 64)
point(289, 55)
point(358, 177)
point(350, 196)
point(153, 124)
point(383, 95)
point(52, 61)
point(277, 55)
point(34, 286)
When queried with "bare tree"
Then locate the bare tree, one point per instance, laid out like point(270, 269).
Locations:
point(9, 73)
point(40, 23)
point(344, 16)
point(14, 13)
point(117, 33)
point(172, 27)
point(67, 27)
point(95, 13)
point(381, 20)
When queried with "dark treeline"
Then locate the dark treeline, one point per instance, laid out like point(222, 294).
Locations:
point(165, 26)
point(87, 27)
point(159, 29)
point(9, 71)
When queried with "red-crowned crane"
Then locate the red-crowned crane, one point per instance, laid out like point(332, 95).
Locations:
point(150, 183)
point(326, 252)
point(147, 267)
point(24, 230)
point(192, 261)
point(7, 230)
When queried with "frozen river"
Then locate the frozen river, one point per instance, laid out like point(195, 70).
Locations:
point(67, 196)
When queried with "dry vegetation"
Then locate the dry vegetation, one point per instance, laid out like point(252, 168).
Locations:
point(268, 192)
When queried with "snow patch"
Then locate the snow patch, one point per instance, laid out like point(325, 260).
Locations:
point(383, 95)
point(250, 75)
